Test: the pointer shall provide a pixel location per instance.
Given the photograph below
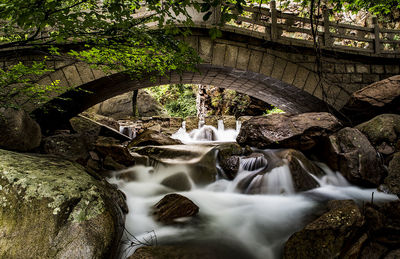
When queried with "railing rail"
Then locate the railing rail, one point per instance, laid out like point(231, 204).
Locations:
point(286, 28)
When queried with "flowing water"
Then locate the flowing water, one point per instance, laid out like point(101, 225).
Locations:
point(242, 225)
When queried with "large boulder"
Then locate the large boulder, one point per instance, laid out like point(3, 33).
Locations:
point(174, 252)
point(152, 137)
point(377, 98)
point(18, 131)
point(173, 207)
point(301, 131)
point(350, 152)
point(392, 181)
point(51, 208)
point(120, 107)
point(328, 235)
point(383, 132)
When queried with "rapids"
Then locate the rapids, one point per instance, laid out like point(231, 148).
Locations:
point(241, 225)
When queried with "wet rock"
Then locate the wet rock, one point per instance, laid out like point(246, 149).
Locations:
point(301, 131)
point(205, 133)
point(228, 158)
point(103, 120)
point(350, 152)
point(392, 181)
point(229, 122)
point(395, 254)
point(110, 164)
point(327, 236)
point(69, 146)
point(18, 131)
point(377, 98)
point(173, 207)
point(110, 147)
point(51, 208)
point(150, 137)
point(211, 120)
point(177, 182)
point(300, 169)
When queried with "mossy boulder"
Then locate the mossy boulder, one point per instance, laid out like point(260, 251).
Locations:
point(51, 208)
point(152, 137)
point(328, 235)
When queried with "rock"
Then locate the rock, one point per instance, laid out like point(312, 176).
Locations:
point(300, 169)
point(148, 106)
point(51, 208)
point(173, 207)
point(383, 132)
point(228, 158)
point(178, 182)
point(377, 98)
point(192, 122)
point(349, 152)
point(229, 122)
point(69, 146)
point(199, 159)
point(18, 131)
point(211, 120)
point(205, 133)
point(110, 147)
point(150, 137)
point(103, 120)
point(301, 131)
point(392, 181)
point(110, 164)
point(327, 236)
point(120, 107)
point(395, 254)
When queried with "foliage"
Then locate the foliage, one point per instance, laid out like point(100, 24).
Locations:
point(23, 89)
point(179, 99)
point(109, 34)
point(273, 111)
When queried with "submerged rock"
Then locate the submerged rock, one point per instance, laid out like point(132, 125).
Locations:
point(301, 131)
point(151, 137)
point(18, 131)
point(173, 207)
point(110, 147)
point(349, 152)
point(327, 236)
point(51, 208)
point(228, 158)
point(178, 182)
point(377, 98)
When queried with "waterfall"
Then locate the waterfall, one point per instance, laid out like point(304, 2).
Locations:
point(257, 226)
point(206, 133)
point(128, 131)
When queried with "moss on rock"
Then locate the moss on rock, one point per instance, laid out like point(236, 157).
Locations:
point(51, 208)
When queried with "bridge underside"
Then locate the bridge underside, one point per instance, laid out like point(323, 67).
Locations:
point(282, 95)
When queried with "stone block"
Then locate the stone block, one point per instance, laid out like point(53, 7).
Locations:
point(370, 78)
point(279, 68)
point(72, 75)
point(360, 68)
point(98, 73)
point(392, 69)
point(350, 68)
point(218, 54)
point(340, 68)
point(328, 67)
point(205, 49)
point(356, 78)
point(243, 58)
point(255, 61)
point(193, 42)
point(301, 77)
point(311, 83)
point(290, 73)
point(267, 64)
point(85, 72)
point(231, 54)
point(59, 75)
point(378, 69)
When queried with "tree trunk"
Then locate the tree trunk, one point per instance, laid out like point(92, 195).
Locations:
point(134, 103)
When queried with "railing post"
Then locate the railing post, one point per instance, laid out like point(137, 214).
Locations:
point(377, 42)
point(327, 33)
point(274, 21)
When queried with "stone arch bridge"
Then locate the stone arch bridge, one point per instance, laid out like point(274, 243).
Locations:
point(263, 62)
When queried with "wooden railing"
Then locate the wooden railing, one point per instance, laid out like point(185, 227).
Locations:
point(289, 28)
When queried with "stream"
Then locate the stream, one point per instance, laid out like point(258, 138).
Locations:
point(231, 220)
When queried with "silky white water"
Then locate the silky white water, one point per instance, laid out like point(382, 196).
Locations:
point(257, 226)
point(207, 133)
